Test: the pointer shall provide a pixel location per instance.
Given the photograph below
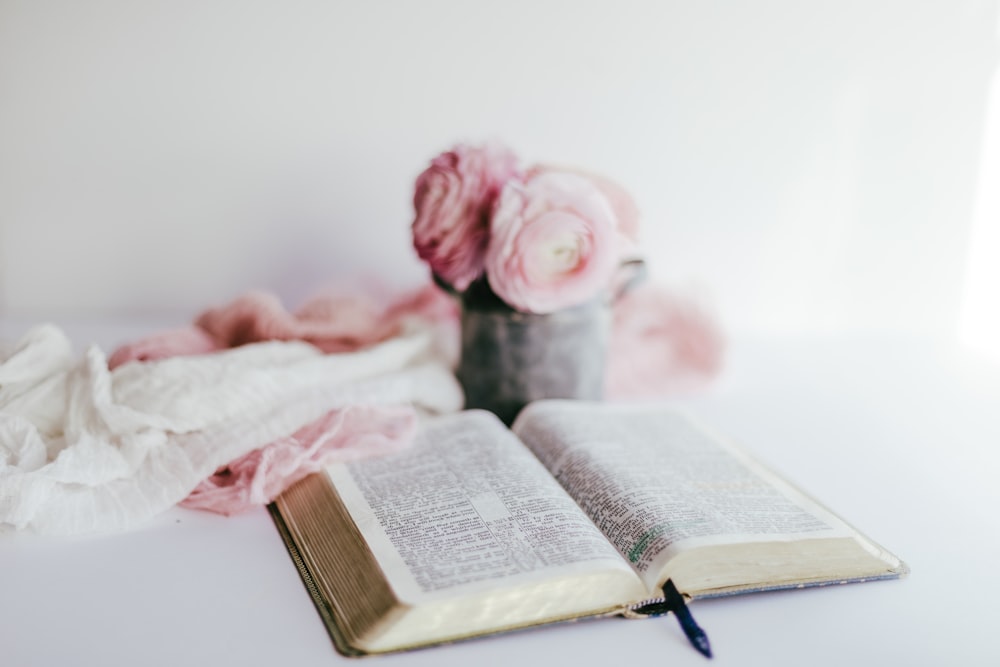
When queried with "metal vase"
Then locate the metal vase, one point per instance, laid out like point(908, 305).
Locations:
point(510, 358)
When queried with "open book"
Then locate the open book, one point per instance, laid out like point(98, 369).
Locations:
point(581, 509)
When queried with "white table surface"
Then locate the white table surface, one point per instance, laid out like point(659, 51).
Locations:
point(900, 437)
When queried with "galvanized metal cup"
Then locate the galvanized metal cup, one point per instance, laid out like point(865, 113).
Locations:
point(510, 358)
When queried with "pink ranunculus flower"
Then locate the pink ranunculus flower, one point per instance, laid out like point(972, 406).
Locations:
point(453, 200)
point(622, 203)
point(554, 243)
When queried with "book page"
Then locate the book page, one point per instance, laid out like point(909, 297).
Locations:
point(656, 483)
point(466, 507)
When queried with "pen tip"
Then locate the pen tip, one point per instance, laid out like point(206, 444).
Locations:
point(701, 644)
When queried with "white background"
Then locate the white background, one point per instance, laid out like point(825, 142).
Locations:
point(806, 167)
point(822, 172)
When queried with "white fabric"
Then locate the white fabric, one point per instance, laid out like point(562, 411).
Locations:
point(85, 449)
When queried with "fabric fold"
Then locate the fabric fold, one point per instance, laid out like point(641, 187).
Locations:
point(125, 444)
point(345, 434)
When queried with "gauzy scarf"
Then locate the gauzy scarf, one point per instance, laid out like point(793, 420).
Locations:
point(88, 449)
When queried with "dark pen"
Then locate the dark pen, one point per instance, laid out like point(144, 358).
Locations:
point(674, 602)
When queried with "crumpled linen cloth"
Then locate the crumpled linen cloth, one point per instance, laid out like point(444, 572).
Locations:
point(84, 448)
point(334, 322)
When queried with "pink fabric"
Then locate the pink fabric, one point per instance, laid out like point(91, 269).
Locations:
point(340, 435)
point(660, 345)
point(188, 341)
point(332, 322)
point(259, 316)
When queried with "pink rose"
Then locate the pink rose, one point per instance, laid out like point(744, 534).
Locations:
point(626, 211)
point(453, 200)
point(554, 244)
